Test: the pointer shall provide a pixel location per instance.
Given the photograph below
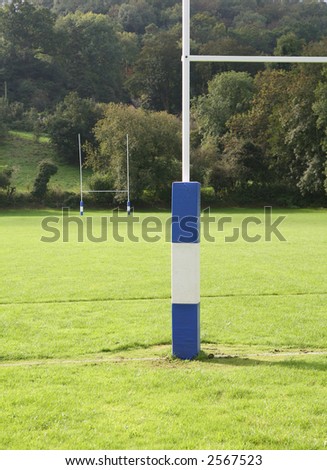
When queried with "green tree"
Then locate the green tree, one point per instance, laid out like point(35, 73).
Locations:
point(156, 80)
point(154, 144)
point(257, 136)
point(223, 44)
point(5, 180)
point(27, 29)
point(72, 116)
point(63, 7)
point(308, 21)
point(204, 27)
point(288, 44)
point(135, 15)
point(130, 51)
point(229, 93)
point(28, 46)
point(3, 118)
point(320, 108)
point(282, 132)
point(46, 169)
point(90, 56)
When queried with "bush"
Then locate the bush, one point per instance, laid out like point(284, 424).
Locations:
point(208, 195)
point(102, 181)
point(5, 183)
point(46, 170)
point(5, 178)
point(15, 200)
point(3, 118)
point(71, 117)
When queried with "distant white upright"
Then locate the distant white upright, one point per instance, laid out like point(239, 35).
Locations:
point(127, 171)
point(81, 204)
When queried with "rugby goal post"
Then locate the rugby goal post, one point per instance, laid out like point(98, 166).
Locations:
point(84, 191)
point(186, 208)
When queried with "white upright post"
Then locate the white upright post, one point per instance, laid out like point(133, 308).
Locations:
point(186, 231)
point(127, 170)
point(186, 92)
point(81, 205)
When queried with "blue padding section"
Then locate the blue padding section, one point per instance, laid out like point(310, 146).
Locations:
point(186, 330)
point(186, 212)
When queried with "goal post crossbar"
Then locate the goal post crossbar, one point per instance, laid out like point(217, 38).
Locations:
point(114, 191)
point(105, 191)
point(258, 59)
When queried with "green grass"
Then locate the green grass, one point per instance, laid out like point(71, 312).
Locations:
point(21, 151)
point(85, 331)
point(29, 136)
point(166, 405)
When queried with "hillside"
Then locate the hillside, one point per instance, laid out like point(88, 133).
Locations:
point(21, 152)
point(259, 130)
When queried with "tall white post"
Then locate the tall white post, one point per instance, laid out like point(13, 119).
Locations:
point(81, 205)
point(127, 165)
point(186, 91)
point(127, 170)
point(186, 231)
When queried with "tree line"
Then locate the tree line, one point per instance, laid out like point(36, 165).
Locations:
point(105, 68)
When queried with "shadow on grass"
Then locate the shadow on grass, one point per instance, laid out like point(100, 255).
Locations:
point(237, 361)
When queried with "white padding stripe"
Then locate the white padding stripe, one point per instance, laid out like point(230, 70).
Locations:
point(185, 273)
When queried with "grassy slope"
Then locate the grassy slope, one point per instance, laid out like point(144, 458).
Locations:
point(99, 300)
point(22, 152)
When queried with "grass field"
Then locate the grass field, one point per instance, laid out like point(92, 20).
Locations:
point(85, 355)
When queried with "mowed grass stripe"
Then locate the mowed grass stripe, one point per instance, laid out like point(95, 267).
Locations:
point(73, 329)
point(137, 299)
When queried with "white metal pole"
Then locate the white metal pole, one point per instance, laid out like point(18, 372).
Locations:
point(80, 174)
point(259, 59)
point(127, 170)
point(186, 92)
point(127, 157)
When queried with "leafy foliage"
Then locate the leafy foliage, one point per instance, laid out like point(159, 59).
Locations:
point(256, 128)
point(154, 145)
point(46, 169)
point(3, 118)
point(90, 55)
point(229, 93)
point(157, 76)
point(5, 178)
point(73, 116)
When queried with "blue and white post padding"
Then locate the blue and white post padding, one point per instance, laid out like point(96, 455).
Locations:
point(186, 269)
point(81, 208)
